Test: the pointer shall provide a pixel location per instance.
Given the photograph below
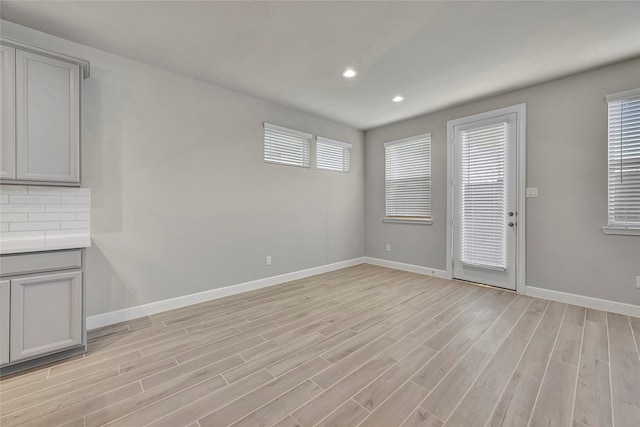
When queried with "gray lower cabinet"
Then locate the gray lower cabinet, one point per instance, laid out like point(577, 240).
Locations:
point(41, 308)
point(5, 315)
point(46, 314)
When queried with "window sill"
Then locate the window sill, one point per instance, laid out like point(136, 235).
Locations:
point(629, 231)
point(416, 221)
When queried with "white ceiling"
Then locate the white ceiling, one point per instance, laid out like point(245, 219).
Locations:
point(436, 54)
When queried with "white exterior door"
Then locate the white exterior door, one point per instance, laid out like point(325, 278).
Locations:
point(485, 199)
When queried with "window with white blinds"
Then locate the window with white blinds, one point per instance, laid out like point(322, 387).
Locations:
point(484, 195)
point(333, 155)
point(624, 159)
point(286, 146)
point(408, 178)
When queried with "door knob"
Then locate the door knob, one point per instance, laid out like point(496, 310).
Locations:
point(511, 224)
point(510, 214)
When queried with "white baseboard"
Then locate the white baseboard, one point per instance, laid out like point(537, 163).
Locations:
point(583, 301)
point(408, 267)
point(130, 313)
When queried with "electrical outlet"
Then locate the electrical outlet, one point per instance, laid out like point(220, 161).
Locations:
point(638, 282)
point(388, 248)
point(268, 261)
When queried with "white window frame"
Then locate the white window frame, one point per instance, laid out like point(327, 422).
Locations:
point(346, 152)
point(304, 136)
point(612, 227)
point(426, 220)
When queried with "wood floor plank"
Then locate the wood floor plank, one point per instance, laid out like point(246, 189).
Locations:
point(595, 343)
point(350, 363)
point(81, 409)
point(269, 414)
point(498, 332)
point(496, 374)
point(625, 371)
point(349, 414)
point(635, 327)
point(593, 394)
point(288, 421)
point(263, 395)
point(516, 404)
point(332, 398)
point(385, 385)
point(626, 415)
point(449, 392)
point(474, 410)
point(287, 363)
point(543, 340)
point(114, 413)
point(397, 408)
point(209, 402)
point(568, 343)
point(620, 331)
point(422, 418)
point(555, 400)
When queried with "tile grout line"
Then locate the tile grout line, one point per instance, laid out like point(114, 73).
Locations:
point(395, 364)
point(546, 369)
point(438, 352)
point(606, 323)
point(520, 359)
point(633, 337)
point(515, 323)
point(575, 389)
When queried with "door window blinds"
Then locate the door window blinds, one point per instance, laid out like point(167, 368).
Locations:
point(333, 155)
point(408, 178)
point(286, 146)
point(624, 159)
point(484, 194)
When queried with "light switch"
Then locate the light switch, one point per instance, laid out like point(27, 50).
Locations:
point(532, 192)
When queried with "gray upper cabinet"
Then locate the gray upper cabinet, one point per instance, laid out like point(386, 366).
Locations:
point(47, 119)
point(5, 304)
point(8, 114)
point(46, 314)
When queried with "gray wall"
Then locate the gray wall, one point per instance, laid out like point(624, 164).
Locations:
point(566, 158)
point(182, 201)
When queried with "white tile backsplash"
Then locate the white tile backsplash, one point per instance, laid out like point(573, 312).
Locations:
point(39, 217)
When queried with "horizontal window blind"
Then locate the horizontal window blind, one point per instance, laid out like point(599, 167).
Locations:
point(624, 159)
point(408, 177)
point(333, 155)
point(286, 146)
point(484, 196)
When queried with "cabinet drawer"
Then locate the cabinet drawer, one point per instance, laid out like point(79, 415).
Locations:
point(38, 262)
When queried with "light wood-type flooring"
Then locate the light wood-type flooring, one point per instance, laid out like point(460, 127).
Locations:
point(363, 346)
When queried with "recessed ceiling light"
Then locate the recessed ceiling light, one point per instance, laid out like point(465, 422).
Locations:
point(398, 98)
point(349, 73)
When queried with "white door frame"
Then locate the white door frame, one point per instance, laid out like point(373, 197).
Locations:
point(521, 159)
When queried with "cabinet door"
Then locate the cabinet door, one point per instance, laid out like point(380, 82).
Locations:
point(46, 314)
point(4, 321)
point(8, 113)
point(48, 118)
